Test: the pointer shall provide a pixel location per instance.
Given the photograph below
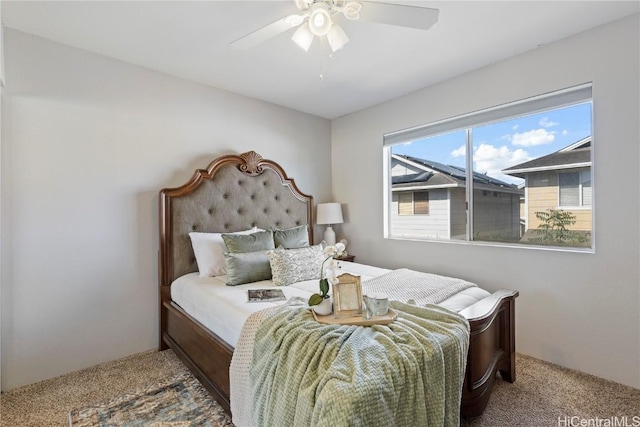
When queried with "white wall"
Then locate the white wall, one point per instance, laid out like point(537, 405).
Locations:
point(89, 142)
point(578, 310)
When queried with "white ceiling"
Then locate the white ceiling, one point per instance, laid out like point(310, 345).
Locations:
point(191, 40)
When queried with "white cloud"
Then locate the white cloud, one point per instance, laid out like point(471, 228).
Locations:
point(462, 151)
point(546, 123)
point(533, 137)
point(515, 127)
point(492, 160)
point(564, 132)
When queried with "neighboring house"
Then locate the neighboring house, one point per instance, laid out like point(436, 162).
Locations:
point(560, 180)
point(429, 201)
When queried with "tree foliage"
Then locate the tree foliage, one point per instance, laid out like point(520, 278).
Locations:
point(553, 228)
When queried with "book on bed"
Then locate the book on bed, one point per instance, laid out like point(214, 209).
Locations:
point(266, 295)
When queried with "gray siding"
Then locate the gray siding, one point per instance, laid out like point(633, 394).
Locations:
point(458, 213)
point(401, 168)
point(496, 216)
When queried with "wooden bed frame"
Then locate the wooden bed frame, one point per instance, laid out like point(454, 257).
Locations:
point(233, 182)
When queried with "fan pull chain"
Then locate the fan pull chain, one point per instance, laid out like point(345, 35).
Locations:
point(322, 64)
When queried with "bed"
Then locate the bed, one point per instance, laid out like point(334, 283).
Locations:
point(240, 192)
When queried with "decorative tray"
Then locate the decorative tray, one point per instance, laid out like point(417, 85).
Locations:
point(356, 320)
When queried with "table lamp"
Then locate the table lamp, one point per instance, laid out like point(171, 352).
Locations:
point(329, 213)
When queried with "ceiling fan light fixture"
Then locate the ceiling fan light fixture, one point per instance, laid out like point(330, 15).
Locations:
point(303, 37)
point(352, 10)
point(320, 19)
point(337, 38)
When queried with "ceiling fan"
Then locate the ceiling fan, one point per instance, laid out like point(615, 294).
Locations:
point(316, 18)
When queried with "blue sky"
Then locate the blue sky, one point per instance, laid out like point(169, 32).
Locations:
point(504, 144)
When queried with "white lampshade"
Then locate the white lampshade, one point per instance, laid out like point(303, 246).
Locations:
point(329, 213)
point(337, 38)
point(320, 19)
point(352, 10)
point(303, 4)
point(303, 37)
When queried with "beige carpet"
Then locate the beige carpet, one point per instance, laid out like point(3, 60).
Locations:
point(542, 395)
point(48, 403)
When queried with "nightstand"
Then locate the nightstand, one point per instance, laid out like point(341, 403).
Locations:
point(349, 258)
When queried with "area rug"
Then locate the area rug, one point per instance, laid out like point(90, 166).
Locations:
point(181, 401)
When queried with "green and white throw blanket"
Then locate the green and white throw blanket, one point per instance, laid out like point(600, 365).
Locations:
point(289, 370)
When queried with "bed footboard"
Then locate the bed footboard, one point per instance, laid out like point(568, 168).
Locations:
point(491, 349)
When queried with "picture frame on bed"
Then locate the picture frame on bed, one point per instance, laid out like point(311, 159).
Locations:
point(347, 296)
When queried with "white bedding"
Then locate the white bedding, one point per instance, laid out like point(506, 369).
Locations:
point(224, 309)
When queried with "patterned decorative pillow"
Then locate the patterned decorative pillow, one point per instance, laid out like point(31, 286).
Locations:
point(295, 265)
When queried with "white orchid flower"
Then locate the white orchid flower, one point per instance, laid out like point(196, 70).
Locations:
point(328, 275)
point(332, 264)
point(332, 277)
point(330, 250)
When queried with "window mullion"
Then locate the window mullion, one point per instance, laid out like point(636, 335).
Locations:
point(580, 190)
point(469, 183)
point(413, 203)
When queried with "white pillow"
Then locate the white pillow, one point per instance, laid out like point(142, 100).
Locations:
point(209, 250)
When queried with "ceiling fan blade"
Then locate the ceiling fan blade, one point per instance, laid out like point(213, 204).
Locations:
point(263, 34)
point(421, 18)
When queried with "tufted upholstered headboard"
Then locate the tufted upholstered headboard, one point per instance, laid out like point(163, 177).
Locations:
point(235, 192)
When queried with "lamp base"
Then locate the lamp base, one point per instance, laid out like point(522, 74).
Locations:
point(330, 236)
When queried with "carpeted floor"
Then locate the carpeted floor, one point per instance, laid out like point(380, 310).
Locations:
point(47, 403)
point(543, 395)
point(549, 395)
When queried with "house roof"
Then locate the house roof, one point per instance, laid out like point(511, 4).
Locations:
point(438, 175)
point(575, 155)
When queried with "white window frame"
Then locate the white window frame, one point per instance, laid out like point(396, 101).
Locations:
point(554, 100)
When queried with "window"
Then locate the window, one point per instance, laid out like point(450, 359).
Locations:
point(421, 203)
point(518, 173)
point(405, 203)
point(413, 203)
point(575, 189)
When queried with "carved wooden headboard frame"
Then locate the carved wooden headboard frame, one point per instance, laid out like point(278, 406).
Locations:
point(235, 192)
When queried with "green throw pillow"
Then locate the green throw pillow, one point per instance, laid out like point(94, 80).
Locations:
point(238, 243)
point(247, 267)
point(291, 238)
